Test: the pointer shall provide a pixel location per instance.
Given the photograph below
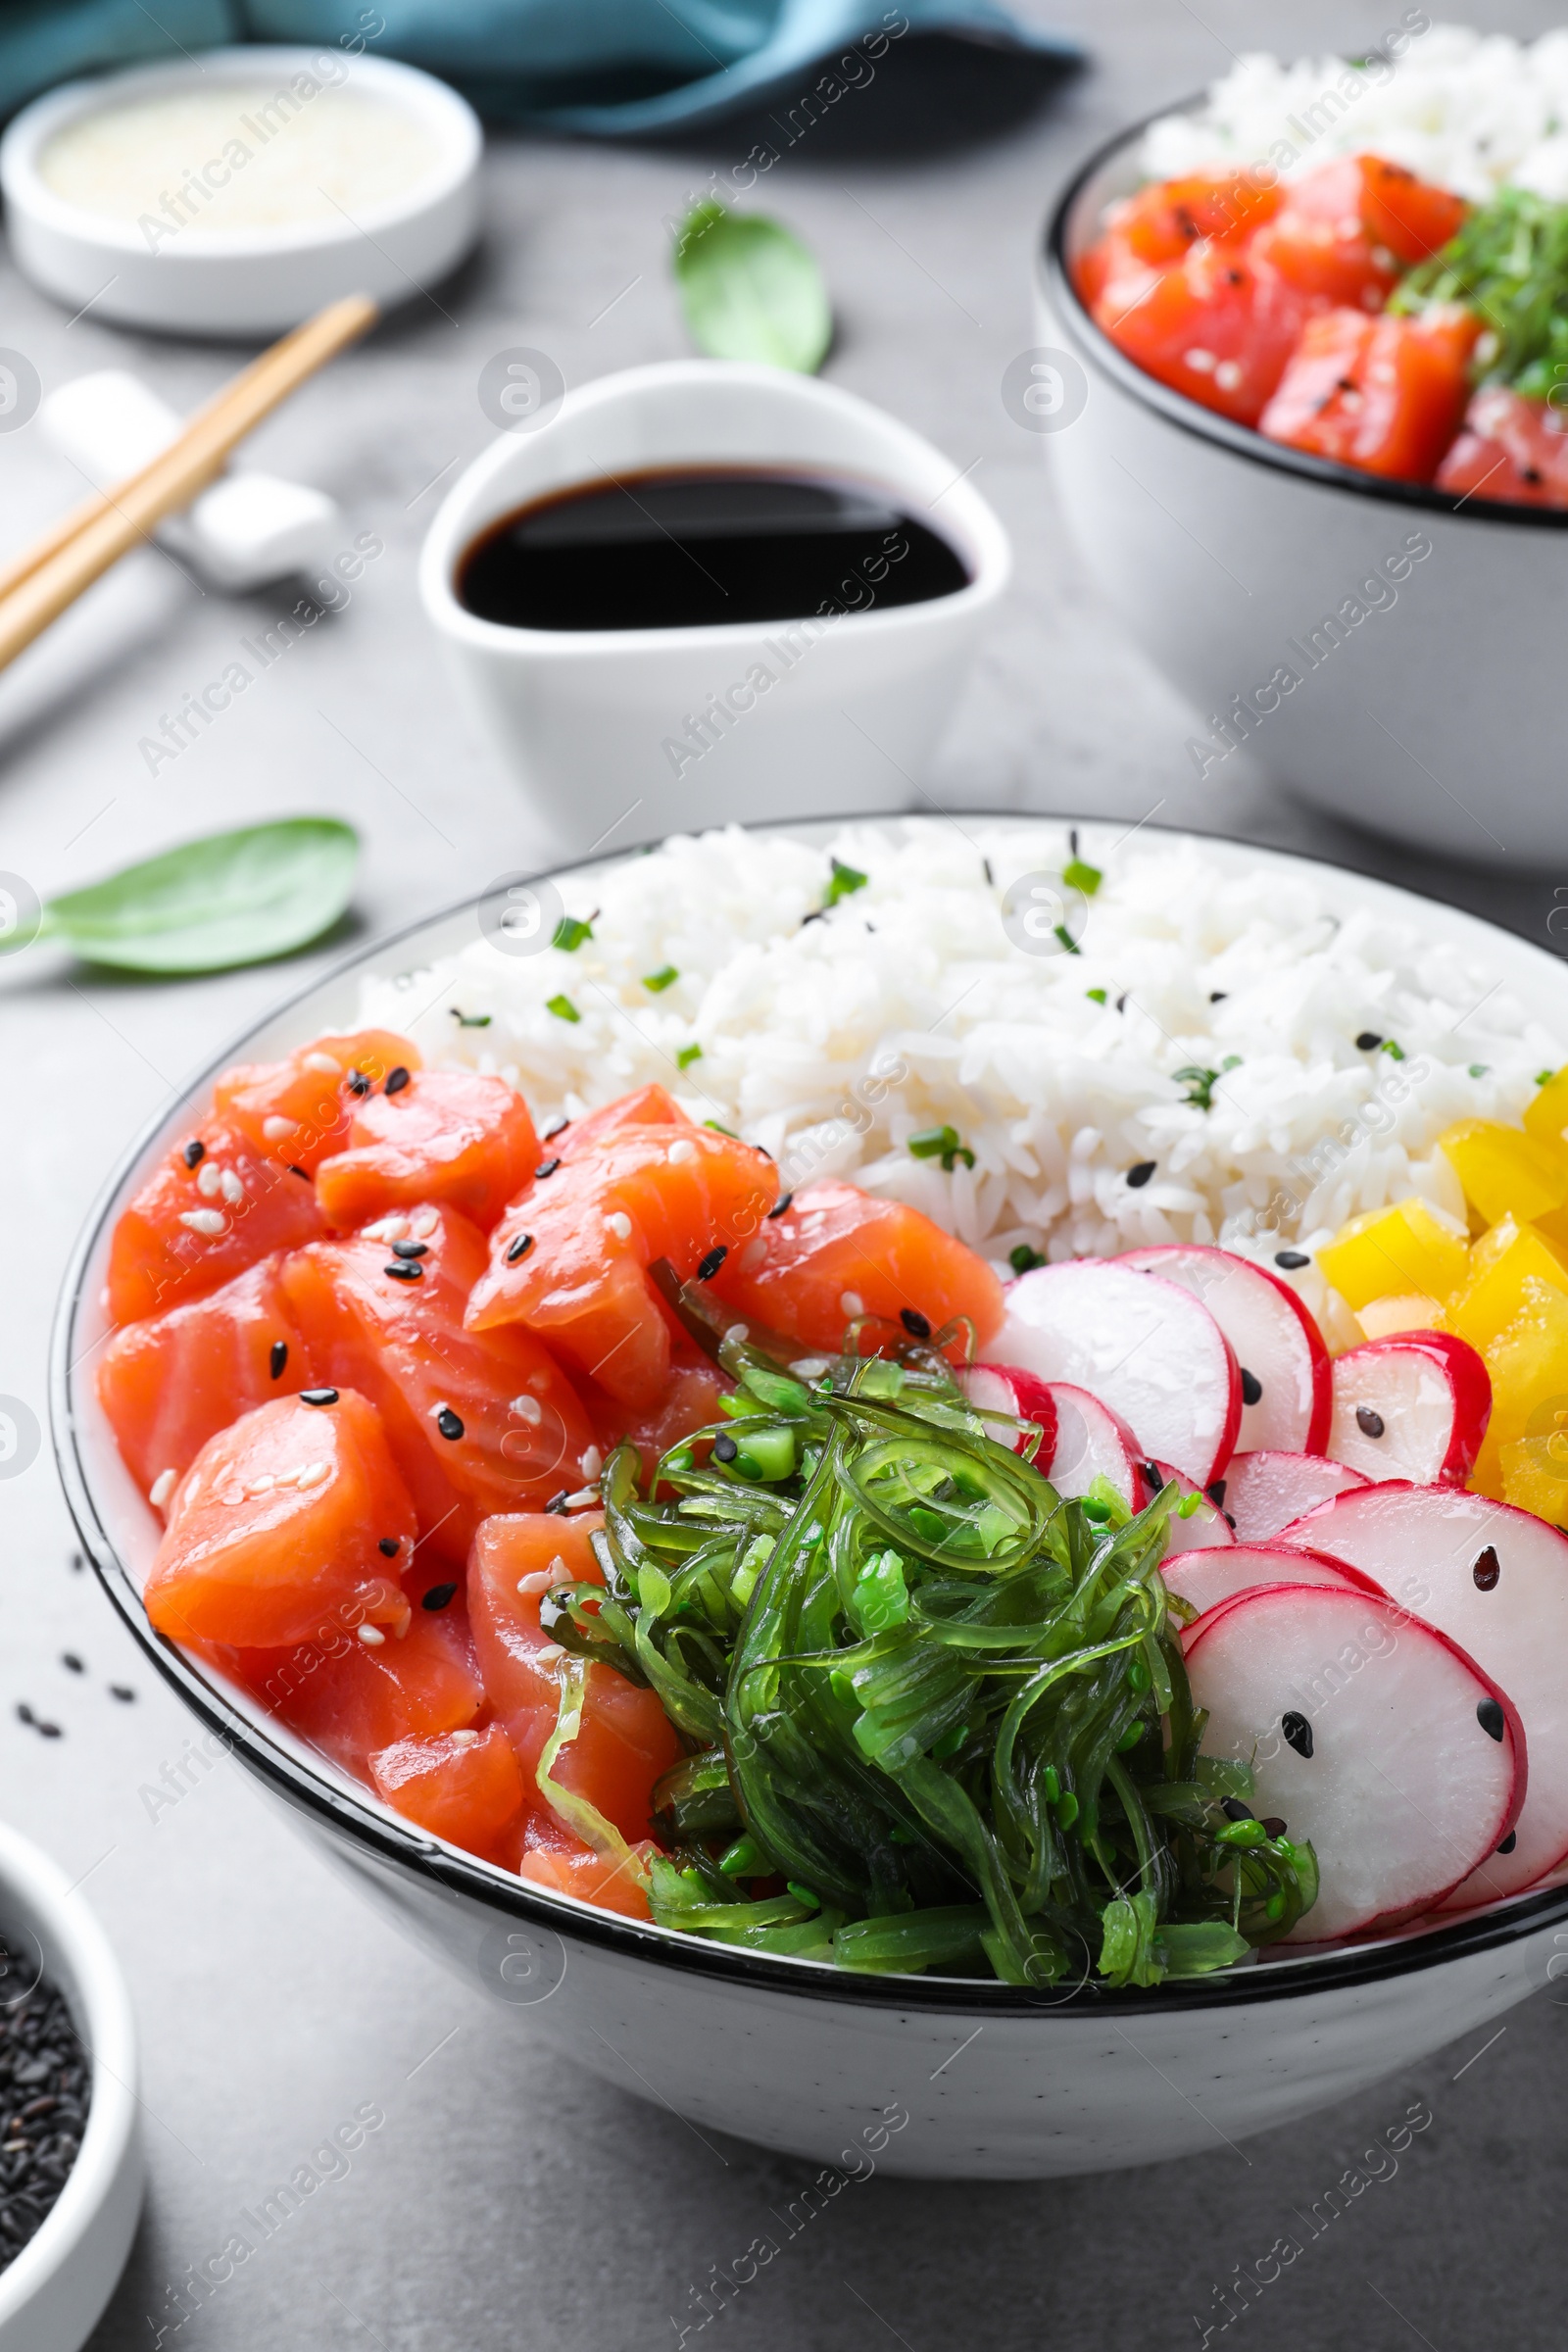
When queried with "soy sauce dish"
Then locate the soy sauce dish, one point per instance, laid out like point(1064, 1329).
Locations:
point(807, 1911)
point(696, 591)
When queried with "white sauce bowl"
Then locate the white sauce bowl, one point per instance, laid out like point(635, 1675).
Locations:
point(193, 275)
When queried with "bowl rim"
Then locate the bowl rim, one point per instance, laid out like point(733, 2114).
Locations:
point(1206, 424)
point(440, 109)
point(1311, 1970)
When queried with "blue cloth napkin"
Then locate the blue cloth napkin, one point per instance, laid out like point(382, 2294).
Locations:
point(608, 67)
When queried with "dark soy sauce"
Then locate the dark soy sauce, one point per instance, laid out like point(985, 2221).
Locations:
point(688, 550)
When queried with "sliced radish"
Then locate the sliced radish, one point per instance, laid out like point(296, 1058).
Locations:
point(1206, 1578)
point(1415, 1407)
point(1264, 1491)
point(1287, 1393)
point(1092, 1441)
point(1202, 1526)
point(1005, 1390)
point(1372, 1735)
point(1143, 1345)
point(1495, 1579)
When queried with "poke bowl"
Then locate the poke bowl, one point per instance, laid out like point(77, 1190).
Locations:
point(645, 1907)
point(1370, 617)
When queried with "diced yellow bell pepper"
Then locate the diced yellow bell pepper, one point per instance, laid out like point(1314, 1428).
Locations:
point(1504, 1172)
point(1547, 1117)
point(1501, 1263)
point(1527, 1362)
point(1388, 1252)
point(1408, 1310)
point(1535, 1474)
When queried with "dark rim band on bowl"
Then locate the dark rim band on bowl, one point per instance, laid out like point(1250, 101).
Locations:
point(1207, 425)
point(396, 1842)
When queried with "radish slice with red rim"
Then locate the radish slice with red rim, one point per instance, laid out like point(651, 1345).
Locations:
point(1145, 1346)
point(1286, 1394)
point(1495, 1579)
point(1414, 1405)
point(1373, 1737)
point(1016, 1395)
point(1265, 1491)
point(1092, 1442)
point(1206, 1579)
point(1197, 1524)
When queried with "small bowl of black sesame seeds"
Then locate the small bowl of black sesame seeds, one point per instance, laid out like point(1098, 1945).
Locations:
point(71, 2164)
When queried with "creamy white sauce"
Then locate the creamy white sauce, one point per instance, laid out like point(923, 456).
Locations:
point(240, 157)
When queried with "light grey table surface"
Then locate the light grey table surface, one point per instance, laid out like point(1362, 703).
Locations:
point(509, 2199)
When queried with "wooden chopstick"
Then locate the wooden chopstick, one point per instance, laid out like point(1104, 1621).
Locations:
point(37, 586)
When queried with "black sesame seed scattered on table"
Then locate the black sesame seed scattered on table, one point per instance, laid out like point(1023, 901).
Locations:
point(45, 2090)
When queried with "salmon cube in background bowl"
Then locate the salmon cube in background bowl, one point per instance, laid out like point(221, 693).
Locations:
point(348, 1672)
point(1413, 628)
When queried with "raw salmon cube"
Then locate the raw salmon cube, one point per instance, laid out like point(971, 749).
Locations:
point(354, 1699)
point(211, 1207)
point(463, 1786)
point(443, 1135)
point(300, 1109)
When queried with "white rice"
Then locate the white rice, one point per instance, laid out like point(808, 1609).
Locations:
point(1466, 110)
point(909, 1007)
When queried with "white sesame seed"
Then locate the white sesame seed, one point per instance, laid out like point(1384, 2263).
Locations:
point(684, 1150)
point(386, 1229)
point(193, 1486)
point(276, 1128)
point(527, 1408)
point(1227, 375)
point(549, 1653)
point(324, 1064)
point(582, 1498)
point(262, 1483)
point(1201, 362)
point(232, 1188)
point(426, 1225)
point(738, 1332)
point(620, 1224)
point(161, 1488)
point(209, 1176)
point(210, 1223)
point(540, 1580)
point(851, 1303)
point(371, 1636)
point(753, 1255)
point(465, 1739)
point(539, 1381)
point(593, 1461)
point(314, 1473)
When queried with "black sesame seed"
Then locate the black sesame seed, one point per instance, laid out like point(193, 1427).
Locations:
point(447, 1422)
point(1368, 1042)
point(1150, 1475)
point(1487, 1569)
point(1139, 1174)
point(1292, 1259)
point(438, 1597)
point(278, 1357)
point(71, 1662)
point(519, 1248)
point(555, 1128)
point(401, 1271)
point(781, 1204)
point(388, 1547)
point(1121, 1001)
point(1369, 1423)
point(1217, 996)
point(547, 1167)
point(52, 1731)
point(708, 1266)
point(1510, 1842)
point(1229, 1518)
point(358, 1084)
point(1216, 1490)
point(1273, 1825)
point(1532, 476)
point(318, 1395)
point(1297, 1732)
point(1251, 1388)
point(558, 1502)
point(123, 1693)
point(397, 1080)
point(302, 1173)
point(195, 1152)
point(724, 1450)
point(410, 1248)
point(917, 1326)
point(1234, 1810)
point(24, 1711)
point(1489, 1715)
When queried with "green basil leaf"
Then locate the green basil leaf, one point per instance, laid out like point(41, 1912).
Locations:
point(231, 899)
point(751, 291)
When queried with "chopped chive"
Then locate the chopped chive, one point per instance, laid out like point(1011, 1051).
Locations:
point(687, 1056)
point(1543, 1077)
point(1395, 1052)
point(1023, 1259)
point(1078, 874)
point(570, 933)
point(1478, 1069)
point(940, 1142)
point(1096, 996)
point(844, 880)
point(657, 982)
point(720, 1129)
point(469, 1020)
point(562, 1007)
point(1069, 945)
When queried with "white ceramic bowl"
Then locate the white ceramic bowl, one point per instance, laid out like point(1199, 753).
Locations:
point(584, 718)
point(52, 2295)
point(993, 2082)
point(201, 279)
point(1424, 630)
